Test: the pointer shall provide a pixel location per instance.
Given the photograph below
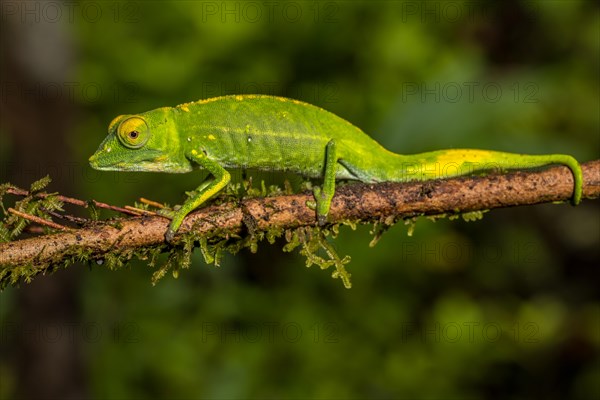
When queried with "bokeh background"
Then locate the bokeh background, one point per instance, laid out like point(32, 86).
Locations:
point(506, 307)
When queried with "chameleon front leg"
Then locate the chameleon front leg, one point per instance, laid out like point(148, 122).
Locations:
point(205, 191)
point(324, 195)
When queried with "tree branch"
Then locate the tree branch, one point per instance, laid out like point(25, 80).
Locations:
point(355, 202)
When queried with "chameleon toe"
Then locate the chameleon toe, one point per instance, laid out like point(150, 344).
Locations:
point(169, 235)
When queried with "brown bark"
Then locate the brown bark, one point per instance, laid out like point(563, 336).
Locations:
point(352, 202)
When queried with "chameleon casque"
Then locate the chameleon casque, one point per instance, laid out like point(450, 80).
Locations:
point(279, 134)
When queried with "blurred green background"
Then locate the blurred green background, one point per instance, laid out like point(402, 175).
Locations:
point(507, 307)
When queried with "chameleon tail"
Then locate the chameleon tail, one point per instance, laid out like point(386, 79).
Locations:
point(458, 162)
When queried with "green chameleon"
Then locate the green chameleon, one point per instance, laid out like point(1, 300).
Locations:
point(280, 134)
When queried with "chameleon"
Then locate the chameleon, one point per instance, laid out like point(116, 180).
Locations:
point(279, 134)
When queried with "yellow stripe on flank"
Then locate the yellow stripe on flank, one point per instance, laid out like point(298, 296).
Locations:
point(468, 155)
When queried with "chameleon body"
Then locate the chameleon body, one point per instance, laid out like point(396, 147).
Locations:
point(280, 134)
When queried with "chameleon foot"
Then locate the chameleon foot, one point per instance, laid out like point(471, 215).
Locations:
point(319, 205)
point(321, 219)
point(167, 213)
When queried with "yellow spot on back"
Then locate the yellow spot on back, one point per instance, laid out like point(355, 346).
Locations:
point(184, 107)
point(207, 100)
point(194, 152)
point(238, 97)
point(211, 137)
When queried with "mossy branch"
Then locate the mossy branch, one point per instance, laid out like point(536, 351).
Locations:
point(234, 225)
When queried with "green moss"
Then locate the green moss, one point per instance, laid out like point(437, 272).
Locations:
point(314, 239)
point(473, 215)
point(312, 242)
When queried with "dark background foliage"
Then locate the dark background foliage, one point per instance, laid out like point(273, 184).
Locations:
point(506, 307)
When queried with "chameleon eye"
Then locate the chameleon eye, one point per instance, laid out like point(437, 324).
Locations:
point(133, 132)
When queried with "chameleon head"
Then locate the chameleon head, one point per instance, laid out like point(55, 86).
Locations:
point(142, 142)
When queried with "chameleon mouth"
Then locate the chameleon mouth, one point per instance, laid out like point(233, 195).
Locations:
point(97, 163)
point(143, 162)
point(100, 162)
point(103, 160)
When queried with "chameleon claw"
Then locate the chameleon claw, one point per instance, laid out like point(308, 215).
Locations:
point(321, 219)
point(169, 235)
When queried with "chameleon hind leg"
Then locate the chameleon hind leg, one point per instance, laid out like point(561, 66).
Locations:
point(205, 191)
point(324, 195)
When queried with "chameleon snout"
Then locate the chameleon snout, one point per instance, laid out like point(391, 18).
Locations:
point(93, 160)
point(98, 160)
point(103, 157)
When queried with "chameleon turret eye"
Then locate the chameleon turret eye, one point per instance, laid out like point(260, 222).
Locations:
point(133, 132)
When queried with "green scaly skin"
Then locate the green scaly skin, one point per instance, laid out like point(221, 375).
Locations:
point(279, 134)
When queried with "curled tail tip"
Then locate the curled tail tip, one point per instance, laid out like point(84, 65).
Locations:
point(577, 181)
point(577, 193)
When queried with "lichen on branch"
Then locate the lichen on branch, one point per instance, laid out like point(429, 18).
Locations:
point(234, 225)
